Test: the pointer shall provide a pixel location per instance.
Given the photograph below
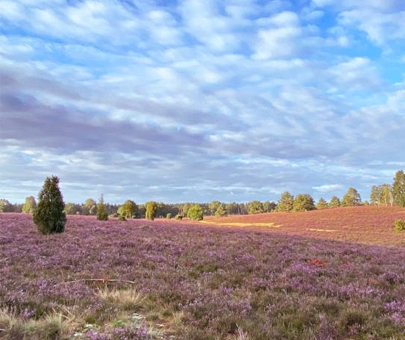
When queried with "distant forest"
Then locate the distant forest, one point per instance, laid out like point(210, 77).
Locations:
point(384, 194)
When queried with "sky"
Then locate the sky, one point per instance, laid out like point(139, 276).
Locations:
point(194, 101)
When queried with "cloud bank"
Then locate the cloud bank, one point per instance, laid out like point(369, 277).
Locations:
point(200, 100)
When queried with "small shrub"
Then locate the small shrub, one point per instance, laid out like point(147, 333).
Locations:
point(179, 217)
point(195, 213)
point(399, 225)
point(352, 319)
point(151, 209)
point(49, 215)
point(169, 216)
point(102, 214)
point(51, 327)
point(126, 299)
point(128, 209)
point(121, 218)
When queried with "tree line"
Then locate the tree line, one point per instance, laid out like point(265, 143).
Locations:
point(383, 194)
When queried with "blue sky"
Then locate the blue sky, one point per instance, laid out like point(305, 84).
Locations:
point(197, 101)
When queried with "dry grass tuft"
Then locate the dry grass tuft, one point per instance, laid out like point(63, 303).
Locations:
point(126, 299)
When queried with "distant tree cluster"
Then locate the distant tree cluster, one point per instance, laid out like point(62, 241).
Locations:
point(89, 208)
point(386, 194)
point(304, 202)
point(7, 207)
point(29, 205)
point(49, 213)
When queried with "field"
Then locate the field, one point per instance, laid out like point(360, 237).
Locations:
point(368, 224)
point(333, 274)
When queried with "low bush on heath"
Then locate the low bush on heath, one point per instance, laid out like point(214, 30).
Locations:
point(399, 225)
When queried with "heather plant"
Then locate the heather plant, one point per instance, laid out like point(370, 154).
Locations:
point(49, 215)
point(194, 281)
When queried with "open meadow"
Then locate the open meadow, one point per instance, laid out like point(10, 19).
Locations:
point(327, 274)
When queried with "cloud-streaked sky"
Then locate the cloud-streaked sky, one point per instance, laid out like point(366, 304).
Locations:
point(193, 100)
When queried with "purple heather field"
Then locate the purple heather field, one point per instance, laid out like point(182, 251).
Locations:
point(164, 279)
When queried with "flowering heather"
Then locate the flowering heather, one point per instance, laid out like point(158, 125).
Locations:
point(179, 280)
point(361, 224)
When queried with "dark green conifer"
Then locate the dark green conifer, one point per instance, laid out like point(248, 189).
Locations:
point(102, 214)
point(48, 215)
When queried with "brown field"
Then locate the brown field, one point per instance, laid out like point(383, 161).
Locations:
point(363, 224)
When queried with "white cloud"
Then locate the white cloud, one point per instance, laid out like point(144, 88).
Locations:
point(18, 49)
point(186, 91)
point(163, 28)
point(396, 101)
point(355, 73)
point(280, 39)
point(242, 8)
point(380, 27)
point(204, 23)
point(274, 43)
point(12, 10)
point(326, 188)
point(323, 3)
point(314, 15)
